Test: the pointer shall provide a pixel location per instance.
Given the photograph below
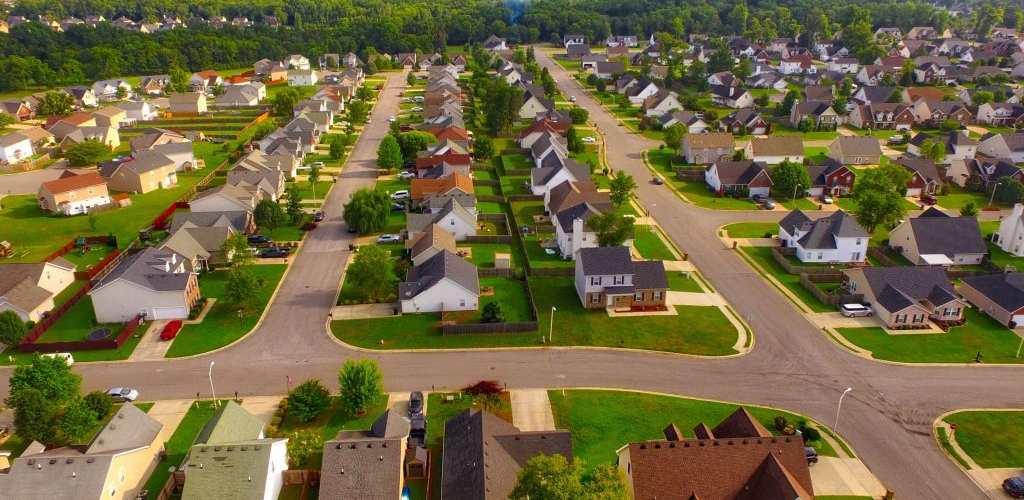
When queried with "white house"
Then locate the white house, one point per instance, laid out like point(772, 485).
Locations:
point(608, 278)
point(934, 238)
point(544, 178)
point(15, 147)
point(156, 283)
point(106, 90)
point(140, 111)
point(297, 77)
point(452, 216)
point(661, 103)
point(445, 282)
point(1007, 145)
point(835, 238)
point(533, 105)
point(1010, 236)
point(296, 61)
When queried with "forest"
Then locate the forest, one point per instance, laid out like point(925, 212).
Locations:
point(34, 56)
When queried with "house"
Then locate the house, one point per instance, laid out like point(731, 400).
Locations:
point(181, 154)
point(987, 171)
point(482, 454)
point(28, 289)
point(1001, 296)
point(107, 90)
point(15, 147)
point(934, 238)
point(84, 96)
point(548, 147)
point(297, 77)
point(494, 43)
point(535, 104)
point(847, 65)
point(775, 149)
point(204, 81)
point(797, 65)
point(608, 278)
point(456, 186)
point(873, 95)
point(606, 69)
point(856, 150)
point(690, 122)
point(883, 116)
point(453, 216)
point(430, 242)
point(1010, 236)
point(442, 283)
point(731, 97)
point(154, 282)
point(238, 221)
point(18, 109)
point(959, 145)
point(924, 175)
point(544, 179)
point(73, 194)
point(737, 460)
point(661, 103)
point(188, 104)
point(1001, 114)
point(707, 148)
point(577, 51)
point(224, 198)
point(1007, 145)
point(107, 136)
point(834, 238)
point(140, 175)
point(831, 177)
point(571, 230)
point(139, 111)
point(232, 459)
point(569, 194)
point(115, 464)
point(154, 84)
point(367, 463)
point(112, 117)
point(820, 113)
point(930, 114)
point(743, 122)
point(723, 176)
point(155, 137)
point(621, 41)
point(240, 96)
point(568, 40)
point(903, 297)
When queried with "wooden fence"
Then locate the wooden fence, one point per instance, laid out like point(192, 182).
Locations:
point(521, 172)
point(100, 267)
point(169, 488)
point(525, 197)
point(515, 151)
point(160, 222)
point(503, 239)
point(483, 182)
point(256, 121)
point(492, 272)
point(300, 476)
point(553, 271)
point(91, 240)
point(780, 253)
point(45, 323)
point(689, 174)
point(30, 344)
point(490, 198)
point(808, 282)
point(491, 328)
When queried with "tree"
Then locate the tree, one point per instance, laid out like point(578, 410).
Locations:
point(674, 136)
point(302, 444)
point(574, 140)
point(313, 177)
point(411, 143)
point(483, 149)
point(788, 176)
point(492, 313)
point(293, 204)
point(87, 152)
point(969, 209)
point(600, 85)
point(389, 153)
point(56, 103)
point(933, 150)
point(77, 421)
point(337, 148)
point(368, 210)
point(269, 215)
point(410, 78)
point(179, 80)
point(879, 193)
point(982, 97)
point(1008, 190)
point(371, 271)
point(237, 247)
point(6, 120)
point(241, 287)
point(100, 403)
point(622, 187)
point(361, 383)
point(51, 376)
point(284, 102)
point(786, 106)
point(12, 328)
point(34, 415)
point(308, 400)
point(93, 219)
point(358, 111)
point(551, 477)
point(364, 93)
point(578, 115)
point(611, 229)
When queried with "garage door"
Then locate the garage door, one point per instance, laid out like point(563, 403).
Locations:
point(1018, 319)
point(169, 313)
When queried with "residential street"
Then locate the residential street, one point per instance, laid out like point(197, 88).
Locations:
point(887, 418)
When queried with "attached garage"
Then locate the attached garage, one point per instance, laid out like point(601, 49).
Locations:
point(170, 313)
point(1001, 296)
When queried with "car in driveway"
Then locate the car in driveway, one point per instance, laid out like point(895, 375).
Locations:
point(826, 199)
point(123, 394)
point(589, 139)
point(1014, 486)
point(319, 216)
point(389, 238)
point(415, 403)
point(927, 199)
point(398, 207)
point(259, 239)
point(418, 99)
point(274, 252)
point(406, 175)
point(170, 330)
point(416, 109)
point(317, 164)
point(855, 310)
point(401, 194)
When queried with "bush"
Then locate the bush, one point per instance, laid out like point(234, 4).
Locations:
point(492, 313)
point(811, 434)
point(276, 421)
point(308, 400)
point(780, 423)
point(483, 388)
point(99, 402)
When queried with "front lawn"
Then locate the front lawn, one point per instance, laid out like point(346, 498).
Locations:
point(996, 343)
point(698, 194)
point(440, 411)
point(991, 438)
point(679, 281)
point(180, 442)
point(336, 418)
point(801, 203)
point(603, 421)
point(763, 256)
point(222, 325)
point(752, 230)
point(650, 245)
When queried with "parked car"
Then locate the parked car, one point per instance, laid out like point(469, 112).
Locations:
point(417, 430)
point(927, 199)
point(768, 205)
point(66, 356)
point(589, 139)
point(259, 239)
point(274, 252)
point(317, 164)
point(350, 229)
point(389, 238)
point(572, 98)
point(123, 394)
point(826, 199)
point(391, 119)
point(415, 403)
point(416, 109)
point(418, 99)
point(1014, 486)
point(406, 175)
point(812, 456)
point(405, 128)
point(398, 207)
point(170, 330)
point(401, 194)
point(855, 310)
point(895, 140)
point(319, 216)
point(657, 181)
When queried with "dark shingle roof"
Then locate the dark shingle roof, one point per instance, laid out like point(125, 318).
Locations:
point(739, 172)
point(365, 464)
point(580, 211)
point(141, 270)
point(648, 274)
point(442, 265)
point(1006, 290)
point(605, 261)
point(942, 234)
point(822, 233)
point(898, 287)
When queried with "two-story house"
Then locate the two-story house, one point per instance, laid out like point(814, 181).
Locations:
point(608, 278)
point(834, 238)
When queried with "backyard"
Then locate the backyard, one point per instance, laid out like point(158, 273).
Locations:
point(180, 442)
point(975, 431)
point(763, 257)
point(336, 418)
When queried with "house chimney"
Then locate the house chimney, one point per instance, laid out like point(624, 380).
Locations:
point(732, 90)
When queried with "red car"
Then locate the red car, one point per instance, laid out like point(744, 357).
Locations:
point(171, 330)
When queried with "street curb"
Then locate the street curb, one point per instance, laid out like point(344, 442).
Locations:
point(935, 437)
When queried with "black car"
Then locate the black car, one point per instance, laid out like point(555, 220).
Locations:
point(317, 217)
point(812, 456)
point(415, 403)
point(398, 207)
point(658, 181)
point(274, 252)
point(256, 239)
point(351, 229)
point(1014, 486)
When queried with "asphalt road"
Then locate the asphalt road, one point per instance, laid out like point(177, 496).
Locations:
point(887, 418)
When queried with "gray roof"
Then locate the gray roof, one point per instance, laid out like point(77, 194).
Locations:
point(365, 464)
point(483, 453)
point(739, 172)
point(236, 220)
point(142, 269)
point(938, 233)
point(924, 166)
point(12, 139)
point(234, 471)
point(569, 193)
point(19, 283)
point(419, 222)
point(541, 176)
point(605, 261)
point(129, 429)
point(822, 233)
point(580, 211)
point(144, 164)
point(861, 145)
point(648, 274)
point(442, 265)
point(819, 173)
point(1005, 289)
point(897, 288)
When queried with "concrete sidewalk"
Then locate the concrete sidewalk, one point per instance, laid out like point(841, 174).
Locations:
point(169, 413)
point(844, 476)
point(694, 299)
point(531, 410)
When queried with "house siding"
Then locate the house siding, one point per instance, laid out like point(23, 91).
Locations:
point(443, 296)
point(987, 305)
point(119, 301)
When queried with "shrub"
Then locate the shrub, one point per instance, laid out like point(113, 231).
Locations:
point(276, 421)
point(308, 400)
point(99, 402)
point(811, 434)
point(789, 430)
point(483, 388)
point(780, 423)
point(492, 313)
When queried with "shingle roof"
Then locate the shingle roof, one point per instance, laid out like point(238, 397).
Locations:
point(822, 233)
point(649, 274)
point(923, 166)
point(861, 145)
point(230, 423)
point(777, 145)
point(582, 211)
point(433, 237)
point(1005, 289)
point(236, 220)
point(942, 234)
point(578, 171)
point(897, 288)
point(739, 172)
point(569, 193)
point(442, 265)
point(19, 284)
point(129, 429)
point(419, 221)
point(420, 188)
point(235, 471)
point(605, 261)
point(365, 464)
point(141, 269)
point(72, 182)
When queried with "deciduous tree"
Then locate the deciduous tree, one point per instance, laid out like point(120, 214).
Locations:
point(492, 313)
point(269, 215)
point(308, 400)
point(788, 176)
point(56, 103)
point(12, 328)
point(622, 187)
point(361, 383)
point(389, 153)
point(371, 271)
point(35, 415)
point(611, 229)
point(87, 152)
point(879, 194)
point(579, 115)
point(237, 246)
point(284, 102)
point(241, 287)
point(293, 204)
point(99, 402)
point(77, 420)
point(368, 210)
point(302, 444)
point(483, 149)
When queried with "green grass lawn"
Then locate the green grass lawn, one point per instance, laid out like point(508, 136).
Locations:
point(322, 188)
point(221, 325)
point(601, 422)
point(650, 245)
point(336, 418)
point(515, 184)
point(680, 282)
point(86, 260)
point(801, 203)
point(291, 232)
point(438, 412)
point(483, 253)
point(996, 343)
point(991, 438)
point(849, 204)
point(697, 192)
point(763, 256)
point(514, 162)
point(509, 293)
point(539, 258)
point(180, 442)
point(751, 229)
point(958, 196)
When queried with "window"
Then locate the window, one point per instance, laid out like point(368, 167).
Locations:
point(120, 475)
point(113, 490)
point(595, 298)
point(618, 280)
point(595, 281)
point(656, 296)
point(462, 302)
point(451, 222)
point(901, 318)
point(855, 256)
point(918, 318)
point(859, 240)
point(821, 255)
point(951, 311)
point(638, 296)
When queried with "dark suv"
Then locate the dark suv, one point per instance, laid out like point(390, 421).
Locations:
point(415, 403)
point(1014, 486)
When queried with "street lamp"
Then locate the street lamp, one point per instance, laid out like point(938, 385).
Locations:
point(795, 188)
point(993, 197)
point(211, 385)
point(835, 428)
point(551, 325)
point(239, 312)
point(1019, 346)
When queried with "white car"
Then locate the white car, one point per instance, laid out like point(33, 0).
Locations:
point(402, 194)
point(317, 164)
point(123, 394)
point(418, 99)
point(572, 98)
point(389, 238)
point(391, 119)
point(589, 139)
point(66, 356)
point(406, 175)
point(417, 108)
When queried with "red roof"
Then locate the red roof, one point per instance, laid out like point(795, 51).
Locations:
point(547, 124)
point(451, 132)
point(70, 183)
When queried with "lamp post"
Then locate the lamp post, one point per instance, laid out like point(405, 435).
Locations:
point(551, 325)
point(239, 312)
point(835, 428)
point(1019, 346)
point(211, 385)
point(795, 188)
point(993, 197)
